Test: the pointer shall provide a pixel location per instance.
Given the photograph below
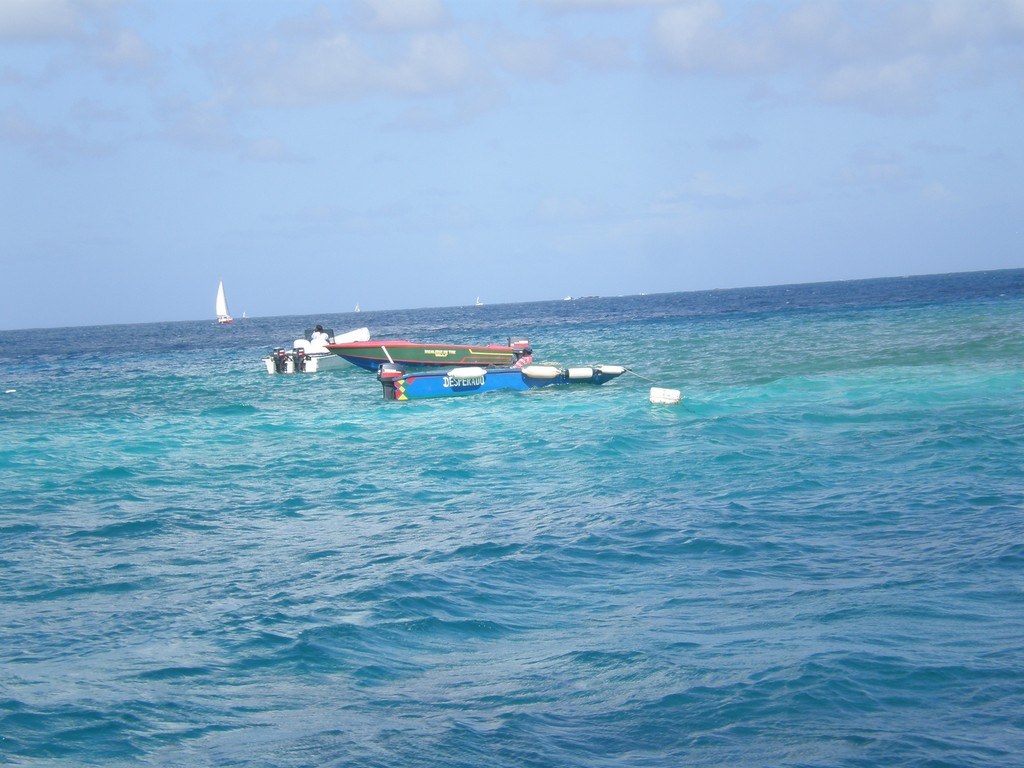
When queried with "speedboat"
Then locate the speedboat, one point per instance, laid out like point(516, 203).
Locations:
point(372, 354)
point(469, 380)
point(308, 356)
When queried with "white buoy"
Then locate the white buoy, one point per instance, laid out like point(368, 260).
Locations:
point(536, 371)
point(10, 391)
point(665, 396)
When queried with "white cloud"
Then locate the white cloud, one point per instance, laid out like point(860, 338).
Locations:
point(681, 32)
point(15, 127)
point(203, 125)
point(535, 58)
point(873, 168)
point(126, 49)
point(38, 19)
point(551, 57)
point(51, 144)
point(936, 192)
point(561, 209)
point(958, 22)
point(740, 142)
point(403, 14)
point(334, 66)
point(881, 56)
point(600, 5)
point(702, 190)
point(707, 188)
point(886, 86)
point(606, 53)
point(69, 37)
point(270, 150)
point(432, 63)
point(695, 36)
point(46, 20)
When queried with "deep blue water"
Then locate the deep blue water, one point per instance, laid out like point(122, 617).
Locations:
point(816, 560)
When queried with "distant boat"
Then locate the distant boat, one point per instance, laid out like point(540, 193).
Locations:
point(222, 306)
point(478, 302)
point(357, 309)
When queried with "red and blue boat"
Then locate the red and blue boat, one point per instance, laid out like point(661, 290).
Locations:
point(407, 354)
point(470, 380)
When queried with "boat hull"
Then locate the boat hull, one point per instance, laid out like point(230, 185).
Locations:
point(474, 380)
point(370, 355)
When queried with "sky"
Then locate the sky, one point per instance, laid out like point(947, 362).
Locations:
point(316, 155)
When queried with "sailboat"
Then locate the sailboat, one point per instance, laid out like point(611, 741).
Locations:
point(478, 302)
point(357, 309)
point(222, 306)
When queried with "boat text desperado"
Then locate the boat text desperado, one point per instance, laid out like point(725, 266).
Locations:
point(469, 380)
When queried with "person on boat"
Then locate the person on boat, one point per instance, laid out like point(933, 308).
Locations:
point(525, 358)
point(318, 336)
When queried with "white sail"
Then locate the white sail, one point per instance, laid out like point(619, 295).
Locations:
point(222, 305)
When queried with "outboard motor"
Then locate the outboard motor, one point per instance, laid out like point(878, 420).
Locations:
point(300, 359)
point(280, 360)
point(387, 373)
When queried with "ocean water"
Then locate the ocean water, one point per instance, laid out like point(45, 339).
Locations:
point(817, 559)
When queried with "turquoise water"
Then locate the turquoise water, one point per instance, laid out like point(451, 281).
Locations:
point(817, 559)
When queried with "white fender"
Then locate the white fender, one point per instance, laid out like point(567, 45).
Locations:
point(542, 371)
point(582, 372)
point(611, 370)
point(470, 372)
